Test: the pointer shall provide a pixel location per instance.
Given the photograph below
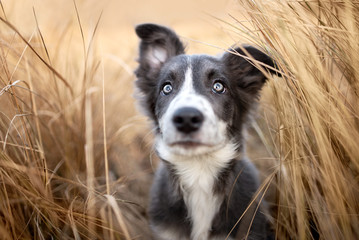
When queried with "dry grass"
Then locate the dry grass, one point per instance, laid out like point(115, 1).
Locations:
point(76, 157)
point(313, 128)
point(57, 137)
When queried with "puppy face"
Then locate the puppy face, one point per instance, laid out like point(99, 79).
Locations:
point(193, 107)
point(198, 103)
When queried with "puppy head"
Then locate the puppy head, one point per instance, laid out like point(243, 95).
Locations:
point(198, 103)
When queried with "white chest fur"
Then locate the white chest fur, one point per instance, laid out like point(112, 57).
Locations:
point(197, 183)
point(197, 177)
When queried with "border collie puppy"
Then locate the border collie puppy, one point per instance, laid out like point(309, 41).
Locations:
point(200, 105)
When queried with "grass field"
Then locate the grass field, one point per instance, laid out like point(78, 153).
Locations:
point(76, 156)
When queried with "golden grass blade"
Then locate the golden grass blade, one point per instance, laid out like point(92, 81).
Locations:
point(81, 31)
point(108, 190)
point(108, 187)
point(257, 198)
point(90, 166)
point(113, 204)
point(46, 51)
point(18, 62)
point(2, 9)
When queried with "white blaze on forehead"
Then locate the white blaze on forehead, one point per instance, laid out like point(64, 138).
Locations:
point(187, 86)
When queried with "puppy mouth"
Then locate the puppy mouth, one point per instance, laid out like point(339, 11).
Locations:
point(189, 144)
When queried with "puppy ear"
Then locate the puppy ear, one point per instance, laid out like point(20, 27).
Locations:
point(158, 44)
point(241, 65)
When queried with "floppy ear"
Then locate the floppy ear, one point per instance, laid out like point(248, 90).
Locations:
point(244, 70)
point(158, 44)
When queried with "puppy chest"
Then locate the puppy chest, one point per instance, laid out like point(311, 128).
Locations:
point(201, 202)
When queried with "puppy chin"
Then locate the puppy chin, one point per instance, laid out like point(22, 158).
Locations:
point(184, 150)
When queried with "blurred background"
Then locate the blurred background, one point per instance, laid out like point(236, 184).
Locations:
point(76, 155)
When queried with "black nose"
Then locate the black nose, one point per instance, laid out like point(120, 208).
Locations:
point(187, 119)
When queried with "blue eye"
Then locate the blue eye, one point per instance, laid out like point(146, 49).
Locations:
point(167, 89)
point(218, 87)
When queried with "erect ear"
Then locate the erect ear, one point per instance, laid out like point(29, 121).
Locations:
point(158, 44)
point(242, 65)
